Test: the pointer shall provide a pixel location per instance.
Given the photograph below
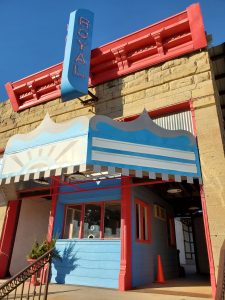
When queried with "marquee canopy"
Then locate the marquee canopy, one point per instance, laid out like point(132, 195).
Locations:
point(99, 145)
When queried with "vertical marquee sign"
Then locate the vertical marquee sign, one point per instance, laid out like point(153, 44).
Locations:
point(76, 64)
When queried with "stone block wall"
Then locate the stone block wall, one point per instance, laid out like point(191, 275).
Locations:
point(169, 83)
point(166, 84)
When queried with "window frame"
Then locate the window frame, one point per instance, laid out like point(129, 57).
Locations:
point(102, 217)
point(143, 205)
point(160, 212)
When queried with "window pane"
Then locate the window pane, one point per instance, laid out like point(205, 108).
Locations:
point(112, 220)
point(187, 247)
point(145, 224)
point(138, 221)
point(188, 255)
point(72, 224)
point(92, 219)
point(186, 236)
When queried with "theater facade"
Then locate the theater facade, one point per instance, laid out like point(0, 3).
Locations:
point(115, 173)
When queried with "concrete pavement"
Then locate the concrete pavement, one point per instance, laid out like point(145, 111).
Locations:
point(155, 292)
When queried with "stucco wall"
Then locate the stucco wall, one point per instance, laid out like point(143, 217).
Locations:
point(32, 225)
point(165, 84)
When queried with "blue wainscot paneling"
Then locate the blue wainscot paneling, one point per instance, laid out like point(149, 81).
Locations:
point(87, 262)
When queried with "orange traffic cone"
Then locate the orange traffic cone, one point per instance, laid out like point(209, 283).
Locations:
point(160, 275)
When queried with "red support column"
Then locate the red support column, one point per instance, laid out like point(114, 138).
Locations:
point(208, 243)
point(126, 243)
point(54, 193)
point(8, 235)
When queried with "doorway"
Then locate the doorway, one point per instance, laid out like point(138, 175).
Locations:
point(32, 225)
point(185, 201)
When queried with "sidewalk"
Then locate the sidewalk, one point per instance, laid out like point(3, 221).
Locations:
point(196, 288)
point(71, 292)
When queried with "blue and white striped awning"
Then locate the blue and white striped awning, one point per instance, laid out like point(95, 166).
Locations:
point(100, 145)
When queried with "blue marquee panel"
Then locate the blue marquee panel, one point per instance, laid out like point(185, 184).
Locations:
point(142, 145)
point(76, 64)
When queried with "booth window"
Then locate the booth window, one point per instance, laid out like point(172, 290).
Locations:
point(112, 220)
point(72, 224)
point(142, 221)
point(93, 220)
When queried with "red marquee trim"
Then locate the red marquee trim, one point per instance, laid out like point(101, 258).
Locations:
point(175, 36)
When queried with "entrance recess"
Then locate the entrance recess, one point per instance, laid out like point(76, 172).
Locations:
point(32, 225)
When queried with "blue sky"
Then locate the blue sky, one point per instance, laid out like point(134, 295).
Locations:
point(32, 33)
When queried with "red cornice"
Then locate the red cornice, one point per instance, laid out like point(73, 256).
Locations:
point(162, 41)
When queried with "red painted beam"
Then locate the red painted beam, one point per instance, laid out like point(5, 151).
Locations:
point(175, 36)
point(8, 235)
point(51, 221)
point(182, 106)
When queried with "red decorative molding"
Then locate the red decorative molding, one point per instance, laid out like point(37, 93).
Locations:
point(35, 89)
point(175, 36)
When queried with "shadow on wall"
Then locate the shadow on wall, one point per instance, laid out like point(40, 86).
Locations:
point(110, 97)
point(66, 264)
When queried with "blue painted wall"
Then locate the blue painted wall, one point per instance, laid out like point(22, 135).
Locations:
point(144, 256)
point(86, 262)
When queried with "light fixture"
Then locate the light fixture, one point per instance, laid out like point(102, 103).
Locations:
point(194, 208)
point(77, 176)
point(174, 191)
point(41, 181)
